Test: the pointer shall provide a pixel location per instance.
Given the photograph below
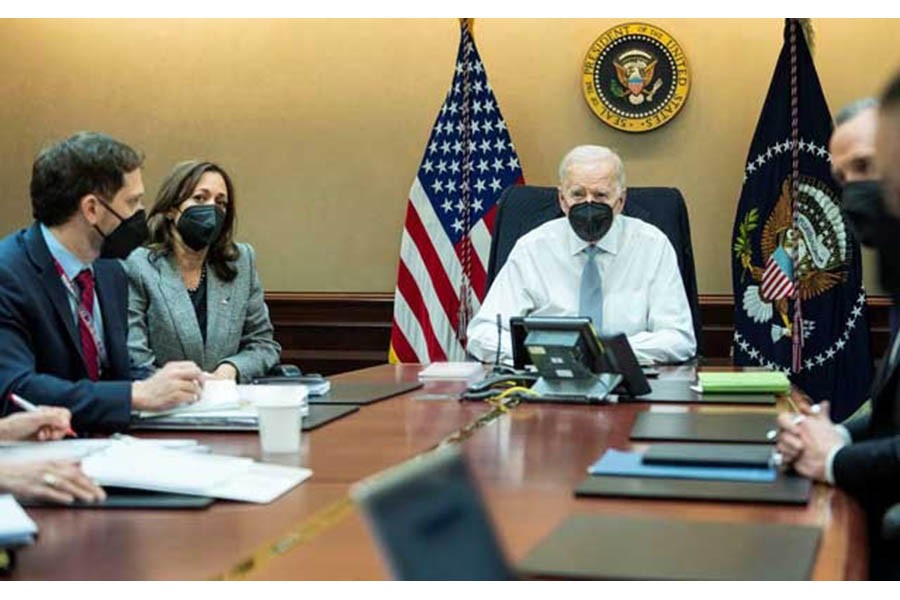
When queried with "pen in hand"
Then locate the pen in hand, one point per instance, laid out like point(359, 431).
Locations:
point(798, 418)
point(29, 407)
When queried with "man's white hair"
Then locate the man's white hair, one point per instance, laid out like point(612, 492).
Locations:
point(590, 154)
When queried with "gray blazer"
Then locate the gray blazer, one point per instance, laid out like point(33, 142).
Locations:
point(162, 324)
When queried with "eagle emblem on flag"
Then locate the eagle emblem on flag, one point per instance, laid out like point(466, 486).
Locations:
point(809, 255)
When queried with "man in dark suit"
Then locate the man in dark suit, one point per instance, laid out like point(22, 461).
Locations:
point(63, 320)
point(862, 455)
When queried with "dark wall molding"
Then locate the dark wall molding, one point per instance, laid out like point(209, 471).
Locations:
point(331, 332)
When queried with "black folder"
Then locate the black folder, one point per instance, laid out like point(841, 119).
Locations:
point(699, 427)
point(320, 415)
point(362, 393)
point(709, 455)
point(679, 391)
point(786, 489)
point(117, 497)
point(614, 547)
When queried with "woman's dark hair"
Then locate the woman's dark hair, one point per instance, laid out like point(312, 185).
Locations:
point(86, 163)
point(175, 189)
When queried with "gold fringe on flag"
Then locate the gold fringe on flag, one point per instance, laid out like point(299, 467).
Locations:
point(809, 33)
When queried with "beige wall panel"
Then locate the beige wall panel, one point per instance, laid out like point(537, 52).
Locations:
point(322, 123)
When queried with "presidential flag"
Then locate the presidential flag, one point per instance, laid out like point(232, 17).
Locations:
point(799, 302)
point(468, 162)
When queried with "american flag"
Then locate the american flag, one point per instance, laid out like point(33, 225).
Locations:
point(778, 277)
point(446, 240)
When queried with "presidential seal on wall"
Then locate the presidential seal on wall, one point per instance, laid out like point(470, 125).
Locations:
point(635, 77)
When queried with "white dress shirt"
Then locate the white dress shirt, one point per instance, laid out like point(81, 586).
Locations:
point(643, 296)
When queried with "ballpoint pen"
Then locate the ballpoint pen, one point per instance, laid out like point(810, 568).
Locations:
point(29, 407)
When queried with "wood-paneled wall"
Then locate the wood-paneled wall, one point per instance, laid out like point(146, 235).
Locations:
point(330, 333)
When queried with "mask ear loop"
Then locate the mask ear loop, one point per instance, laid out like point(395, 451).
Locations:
point(108, 207)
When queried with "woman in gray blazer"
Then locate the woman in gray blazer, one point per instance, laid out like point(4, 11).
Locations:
point(194, 293)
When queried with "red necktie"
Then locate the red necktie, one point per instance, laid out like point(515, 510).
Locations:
point(85, 281)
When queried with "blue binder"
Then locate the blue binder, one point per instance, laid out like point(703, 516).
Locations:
point(628, 464)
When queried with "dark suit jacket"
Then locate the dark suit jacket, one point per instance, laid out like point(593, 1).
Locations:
point(869, 468)
point(40, 349)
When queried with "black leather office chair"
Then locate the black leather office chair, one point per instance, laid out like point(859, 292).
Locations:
point(523, 207)
point(894, 318)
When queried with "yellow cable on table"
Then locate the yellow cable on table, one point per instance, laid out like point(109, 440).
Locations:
point(496, 401)
point(307, 530)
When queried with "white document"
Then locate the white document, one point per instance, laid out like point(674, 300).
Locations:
point(79, 448)
point(16, 527)
point(213, 398)
point(161, 469)
point(146, 467)
point(261, 483)
point(251, 395)
point(453, 371)
point(318, 388)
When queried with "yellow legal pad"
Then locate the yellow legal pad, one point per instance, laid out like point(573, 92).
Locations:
point(747, 382)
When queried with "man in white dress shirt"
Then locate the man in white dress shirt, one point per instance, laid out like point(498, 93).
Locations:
point(640, 289)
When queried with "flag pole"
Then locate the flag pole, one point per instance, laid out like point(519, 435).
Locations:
point(445, 246)
point(797, 331)
point(464, 314)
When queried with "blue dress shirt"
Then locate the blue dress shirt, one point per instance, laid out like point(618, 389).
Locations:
point(72, 266)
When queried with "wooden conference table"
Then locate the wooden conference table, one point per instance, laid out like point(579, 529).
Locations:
point(527, 464)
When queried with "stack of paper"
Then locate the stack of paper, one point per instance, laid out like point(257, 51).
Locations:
point(747, 382)
point(147, 467)
point(238, 419)
point(452, 371)
point(16, 528)
point(316, 384)
point(172, 465)
point(217, 410)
